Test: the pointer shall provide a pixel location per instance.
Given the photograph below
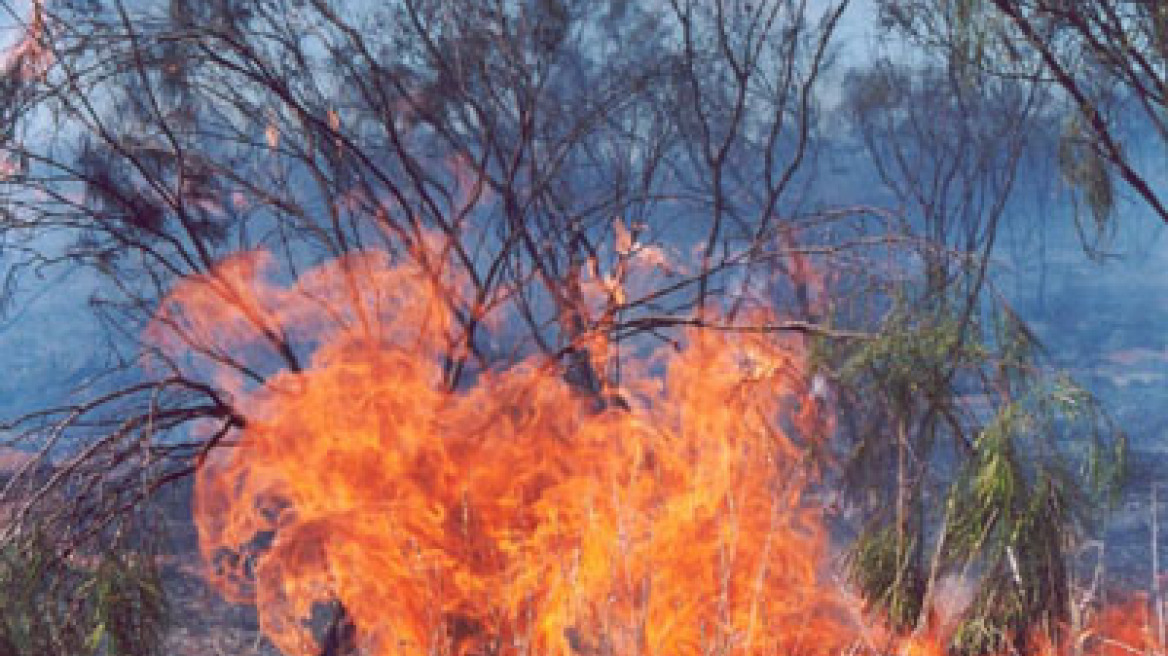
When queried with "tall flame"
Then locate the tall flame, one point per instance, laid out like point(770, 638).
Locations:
point(514, 515)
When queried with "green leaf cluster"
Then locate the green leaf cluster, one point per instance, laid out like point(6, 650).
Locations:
point(973, 458)
point(51, 605)
point(881, 565)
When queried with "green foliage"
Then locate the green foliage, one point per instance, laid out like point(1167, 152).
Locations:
point(1026, 584)
point(1031, 462)
point(129, 608)
point(1086, 172)
point(911, 358)
point(29, 621)
point(1042, 471)
point(47, 606)
point(1020, 530)
point(881, 565)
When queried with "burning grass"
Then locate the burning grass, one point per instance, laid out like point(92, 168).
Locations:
point(518, 514)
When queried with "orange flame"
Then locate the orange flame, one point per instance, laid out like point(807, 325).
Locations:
point(1122, 628)
point(30, 57)
point(512, 516)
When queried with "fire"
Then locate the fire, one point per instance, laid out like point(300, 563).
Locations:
point(1122, 629)
point(29, 58)
point(514, 515)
